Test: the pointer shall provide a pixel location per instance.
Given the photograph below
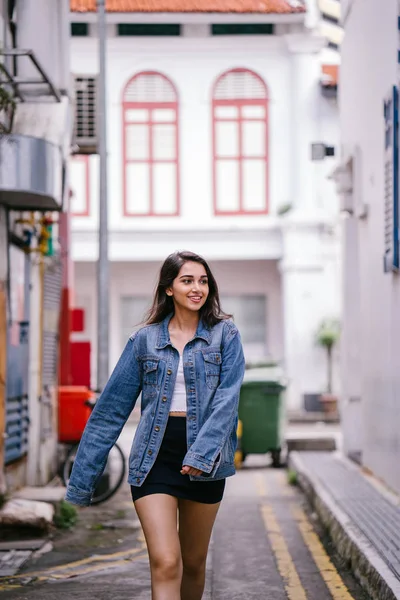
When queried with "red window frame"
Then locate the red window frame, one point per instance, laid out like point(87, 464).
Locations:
point(83, 158)
point(239, 103)
point(151, 161)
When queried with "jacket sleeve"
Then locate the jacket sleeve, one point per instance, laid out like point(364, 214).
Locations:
point(218, 426)
point(104, 426)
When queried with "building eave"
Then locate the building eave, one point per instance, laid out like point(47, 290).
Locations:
point(130, 17)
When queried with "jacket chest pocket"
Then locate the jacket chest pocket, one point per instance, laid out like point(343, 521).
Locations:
point(150, 376)
point(212, 362)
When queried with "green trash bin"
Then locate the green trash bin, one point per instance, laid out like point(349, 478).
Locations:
point(261, 412)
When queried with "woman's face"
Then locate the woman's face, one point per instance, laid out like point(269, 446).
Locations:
point(189, 289)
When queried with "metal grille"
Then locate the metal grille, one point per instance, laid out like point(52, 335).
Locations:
point(85, 130)
point(388, 207)
point(17, 427)
point(150, 87)
point(376, 517)
point(17, 379)
point(391, 165)
point(240, 84)
point(52, 295)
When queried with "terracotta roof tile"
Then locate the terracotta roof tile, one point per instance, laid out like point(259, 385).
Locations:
point(204, 6)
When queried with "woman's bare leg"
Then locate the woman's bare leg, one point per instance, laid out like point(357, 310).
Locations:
point(196, 521)
point(158, 516)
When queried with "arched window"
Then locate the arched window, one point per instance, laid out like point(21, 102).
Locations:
point(151, 150)
point(240, 143)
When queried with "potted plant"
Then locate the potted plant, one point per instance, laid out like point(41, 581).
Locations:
point(328, 336)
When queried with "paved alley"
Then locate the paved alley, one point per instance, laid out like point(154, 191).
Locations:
point(265, 546)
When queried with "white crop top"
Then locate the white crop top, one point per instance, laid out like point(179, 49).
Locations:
point(178, 402)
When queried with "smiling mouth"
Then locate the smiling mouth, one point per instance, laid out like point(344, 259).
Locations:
point(195, 298)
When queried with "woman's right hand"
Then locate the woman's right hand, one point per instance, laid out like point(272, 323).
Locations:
point(186, 470)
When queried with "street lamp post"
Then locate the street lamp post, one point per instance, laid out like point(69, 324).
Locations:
point(102, 265)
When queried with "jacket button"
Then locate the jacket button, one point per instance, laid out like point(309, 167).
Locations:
point(169, 372)
point(150, 452)
point(138, 480)
point(164, 398)
point(156, 428)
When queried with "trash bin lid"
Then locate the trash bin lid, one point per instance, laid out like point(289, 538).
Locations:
point(272, 375)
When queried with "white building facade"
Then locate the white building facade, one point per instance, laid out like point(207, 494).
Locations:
point(368, 183)
point(210, 132)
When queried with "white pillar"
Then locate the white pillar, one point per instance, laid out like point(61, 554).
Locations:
point(351, 405)
point(349, 188)
point(305, 117)
point(311, 293)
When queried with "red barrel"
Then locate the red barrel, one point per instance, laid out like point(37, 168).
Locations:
point(73, 412)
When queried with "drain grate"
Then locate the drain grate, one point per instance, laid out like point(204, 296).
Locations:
point(376, 517)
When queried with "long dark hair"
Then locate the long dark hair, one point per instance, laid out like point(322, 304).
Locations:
point(163, 305)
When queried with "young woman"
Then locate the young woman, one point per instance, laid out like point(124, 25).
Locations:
point(188, 364)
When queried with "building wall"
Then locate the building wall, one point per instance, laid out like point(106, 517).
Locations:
point(193, 65)
point(345, 8)
point(371, 301)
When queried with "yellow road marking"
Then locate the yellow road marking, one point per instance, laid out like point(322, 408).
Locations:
point(286, 568)
point(95, 568)
point(325, 566)
point(127, 555)
point(261, 485)
point(70, 572)
point(69, 575)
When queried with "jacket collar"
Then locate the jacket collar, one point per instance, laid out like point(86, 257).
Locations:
point(163, 340)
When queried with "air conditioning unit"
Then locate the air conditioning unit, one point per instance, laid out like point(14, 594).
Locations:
point(85, 123)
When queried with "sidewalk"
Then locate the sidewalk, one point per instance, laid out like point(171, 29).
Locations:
point(362, 517)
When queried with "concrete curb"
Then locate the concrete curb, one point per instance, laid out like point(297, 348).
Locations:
point(310, 444)
point(370, 569)
point(305, 417)
point(21, 513)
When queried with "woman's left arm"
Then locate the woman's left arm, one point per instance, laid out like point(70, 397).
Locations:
point(218, 426)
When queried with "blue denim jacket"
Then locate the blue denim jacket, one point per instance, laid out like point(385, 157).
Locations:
point(213, 364)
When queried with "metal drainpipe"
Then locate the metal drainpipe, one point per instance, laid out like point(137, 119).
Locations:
point(103, 264)
point(41, 325)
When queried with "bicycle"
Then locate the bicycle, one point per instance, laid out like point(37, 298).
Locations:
point(113, 474)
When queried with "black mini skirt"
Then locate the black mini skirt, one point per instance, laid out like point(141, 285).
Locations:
point(165, 476)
